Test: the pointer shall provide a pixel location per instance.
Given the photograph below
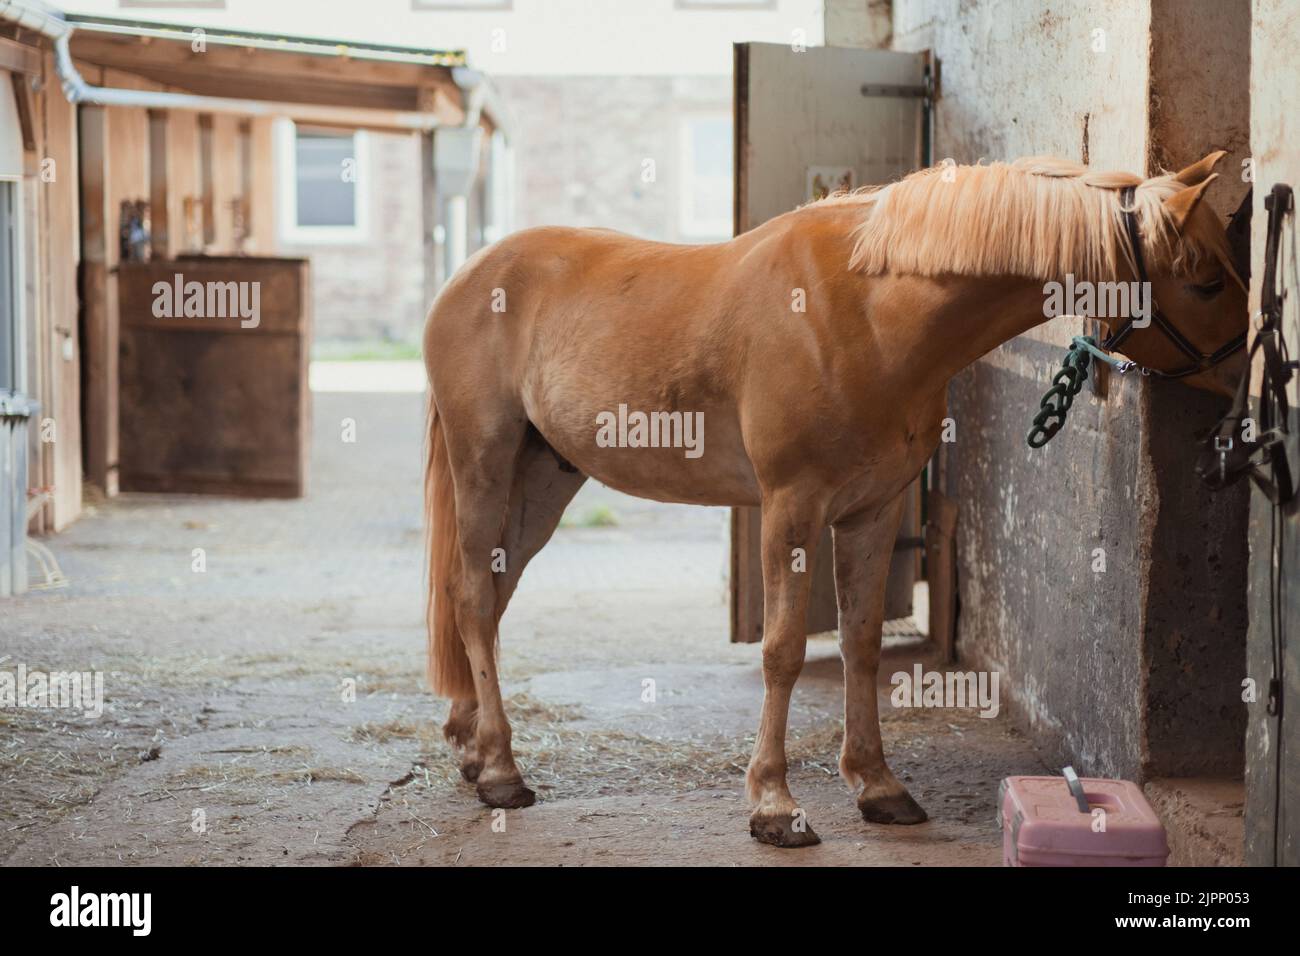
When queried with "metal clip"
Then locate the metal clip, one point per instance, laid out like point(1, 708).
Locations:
point(1126, 366)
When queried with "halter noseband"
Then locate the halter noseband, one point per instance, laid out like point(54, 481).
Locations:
point(1200, 361)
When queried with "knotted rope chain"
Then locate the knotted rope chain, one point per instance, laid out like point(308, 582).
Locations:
point(1066, 384)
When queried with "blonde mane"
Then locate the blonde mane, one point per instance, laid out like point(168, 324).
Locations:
point(1039, 218)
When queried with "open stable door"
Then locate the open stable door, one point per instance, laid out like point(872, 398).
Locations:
point(806, 121)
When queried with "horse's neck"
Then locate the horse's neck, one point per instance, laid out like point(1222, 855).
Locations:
point(948, 323)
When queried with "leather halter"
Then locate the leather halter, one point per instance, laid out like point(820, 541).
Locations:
point(1200, 362)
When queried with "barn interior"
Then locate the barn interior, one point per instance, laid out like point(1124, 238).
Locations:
point(253, 588)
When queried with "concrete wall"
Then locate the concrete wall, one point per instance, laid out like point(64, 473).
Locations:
point(868, 24)
point(1275, 140)
point(1118, 671)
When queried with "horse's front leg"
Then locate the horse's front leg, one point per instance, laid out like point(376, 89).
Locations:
point(864, 546)
point(790, 523)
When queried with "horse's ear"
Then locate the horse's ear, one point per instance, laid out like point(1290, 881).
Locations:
point(1198, 172)
point(1181, 203)
point(1239, 235)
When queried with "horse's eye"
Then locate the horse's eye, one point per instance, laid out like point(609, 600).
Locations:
point(1208, 290)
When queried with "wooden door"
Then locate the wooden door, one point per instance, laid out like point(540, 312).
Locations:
point(804, 117)
point(215, 403)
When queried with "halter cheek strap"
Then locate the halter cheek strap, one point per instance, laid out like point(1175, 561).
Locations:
point(1200, 362)
point(1068, 381)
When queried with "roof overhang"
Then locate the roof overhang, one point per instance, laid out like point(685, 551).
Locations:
point(375, 81)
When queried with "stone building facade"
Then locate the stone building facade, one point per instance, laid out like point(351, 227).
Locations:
point(371, 288)
point(583, 143)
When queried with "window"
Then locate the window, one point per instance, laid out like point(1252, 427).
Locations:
point(705, 192)
point(323, 183)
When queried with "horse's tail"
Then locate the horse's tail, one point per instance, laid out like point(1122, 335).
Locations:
point(448, 665)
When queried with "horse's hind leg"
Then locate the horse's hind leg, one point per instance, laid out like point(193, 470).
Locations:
point(482, 447)
point(541, 490)
point(461, 731)
point(789, 521)
point(864, 545)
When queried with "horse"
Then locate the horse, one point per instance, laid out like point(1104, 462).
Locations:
point(817, 348)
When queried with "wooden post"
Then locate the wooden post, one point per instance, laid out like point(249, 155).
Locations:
point(941, 567)
point(207, 181)
point(99, 300)
point(160, 225)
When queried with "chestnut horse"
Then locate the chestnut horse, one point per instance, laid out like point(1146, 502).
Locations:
point(818, 348)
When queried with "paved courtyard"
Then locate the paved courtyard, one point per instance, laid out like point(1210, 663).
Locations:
point(270, 709)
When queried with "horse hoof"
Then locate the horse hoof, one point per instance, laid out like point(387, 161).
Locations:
point(897, 808)
point(470, 769)
point(780, 831)
point(508, 796)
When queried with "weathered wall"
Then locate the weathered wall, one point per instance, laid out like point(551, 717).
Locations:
point(1194, 635)
point(859, 23)
point(1275, 140)
point(1112, 670)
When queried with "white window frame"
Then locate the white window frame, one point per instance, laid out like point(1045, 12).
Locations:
point(287, 166)
point(687, 226)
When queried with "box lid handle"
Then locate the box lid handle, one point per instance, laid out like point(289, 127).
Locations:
point(1076, 788)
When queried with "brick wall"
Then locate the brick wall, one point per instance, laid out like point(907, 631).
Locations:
point(374, 289)
point(580, 146)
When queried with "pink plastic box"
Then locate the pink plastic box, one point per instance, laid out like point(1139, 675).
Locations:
point(1054, 821)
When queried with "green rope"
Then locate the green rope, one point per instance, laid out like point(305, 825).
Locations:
point(1066, 383)
point(1089, 343)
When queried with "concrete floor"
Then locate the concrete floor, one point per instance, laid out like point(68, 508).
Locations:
point(229, 736)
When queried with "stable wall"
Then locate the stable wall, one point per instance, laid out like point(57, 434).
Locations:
point(1275, 137)
point(49, 194)
point(132, 153)
point(1118, 672)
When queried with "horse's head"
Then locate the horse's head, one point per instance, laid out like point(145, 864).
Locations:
point(1048, 219)
point(1198, 280)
